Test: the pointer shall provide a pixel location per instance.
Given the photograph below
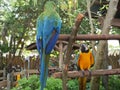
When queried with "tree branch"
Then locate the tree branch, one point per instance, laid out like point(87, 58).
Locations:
point(69, 50)
point(72, 37)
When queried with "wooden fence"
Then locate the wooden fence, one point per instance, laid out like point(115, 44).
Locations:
point(6, 81)
point(3, 81)
point(3, 74)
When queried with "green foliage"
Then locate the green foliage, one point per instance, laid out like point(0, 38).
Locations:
point(4, 48)
point(113, 83)
point(32, 83)
point(54, 84)
point(115, 30)
point(73, 84)
point(84, 27)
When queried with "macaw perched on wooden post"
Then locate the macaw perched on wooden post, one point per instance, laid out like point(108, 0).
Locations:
point(48, 29)
point(85, 62)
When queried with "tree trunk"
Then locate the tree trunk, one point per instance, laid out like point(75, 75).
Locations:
point(105, 66)
point(95, 83)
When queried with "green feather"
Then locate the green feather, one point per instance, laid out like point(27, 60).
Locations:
point(49, 11)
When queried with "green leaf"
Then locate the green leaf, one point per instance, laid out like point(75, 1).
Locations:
point(4, 48)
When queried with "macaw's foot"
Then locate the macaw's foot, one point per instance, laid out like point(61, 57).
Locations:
point(83, 73)
point(90, 74)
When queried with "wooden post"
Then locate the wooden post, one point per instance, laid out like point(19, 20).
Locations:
point(61, 55)
point(8, 82)
point(28, 67)
point(25, 73)
point(4, 74)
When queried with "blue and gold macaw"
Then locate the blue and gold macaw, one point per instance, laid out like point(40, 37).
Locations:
point(85, 62)
point(48, 29)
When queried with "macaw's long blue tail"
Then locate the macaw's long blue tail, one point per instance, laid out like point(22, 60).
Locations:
point(44, 70)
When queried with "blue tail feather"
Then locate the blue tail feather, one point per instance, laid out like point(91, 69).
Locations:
point(44, 70)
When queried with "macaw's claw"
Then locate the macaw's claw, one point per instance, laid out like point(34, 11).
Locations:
point(90, 73)
point(83, 73)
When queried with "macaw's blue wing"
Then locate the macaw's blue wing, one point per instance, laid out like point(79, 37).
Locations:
point(52, 41)
point(48, 29)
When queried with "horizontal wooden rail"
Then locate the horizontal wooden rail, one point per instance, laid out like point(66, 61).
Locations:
point(73, 74)
point(3, 83)
point(31, 71)
point(90, 37)
point(65, 37)
point(1, 78)
point(1, 71)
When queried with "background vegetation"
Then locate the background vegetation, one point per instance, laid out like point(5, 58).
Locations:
point(18, 21)
point(32, 83)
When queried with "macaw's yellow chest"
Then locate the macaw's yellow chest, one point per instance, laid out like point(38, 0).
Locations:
point(84, 61)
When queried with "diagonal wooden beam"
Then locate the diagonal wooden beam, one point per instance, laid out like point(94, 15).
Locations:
point(69, 49)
